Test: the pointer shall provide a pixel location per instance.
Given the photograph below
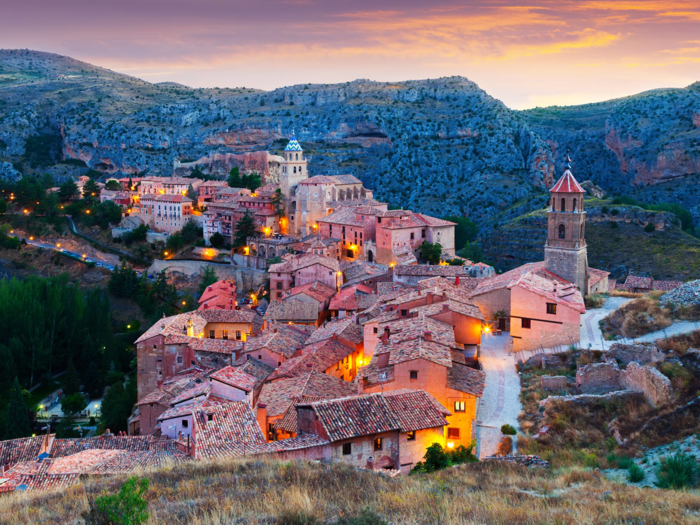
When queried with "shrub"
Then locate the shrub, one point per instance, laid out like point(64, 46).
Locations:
point(128, 506)
point(614, 211)
point(508, 430)
point(297, 517)
point(463, 454)
point(649, 228)
point(677, 472)
point(635, 473)
point(217, 240)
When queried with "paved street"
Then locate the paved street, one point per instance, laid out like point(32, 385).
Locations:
point(500, 403)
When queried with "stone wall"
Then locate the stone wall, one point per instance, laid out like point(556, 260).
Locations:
point(598, 377)
point(585, 399)
point(639, 353)
point(245, 278)
point(655, 386)
point(554, 382)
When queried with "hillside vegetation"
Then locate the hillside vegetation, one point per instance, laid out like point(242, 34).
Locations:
point(297, 493)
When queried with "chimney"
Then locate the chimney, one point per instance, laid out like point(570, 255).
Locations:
point(387, 333)
point(457, 281)
point(445, 306)
point(428, 336)
point(361, 386)
point(262, 418)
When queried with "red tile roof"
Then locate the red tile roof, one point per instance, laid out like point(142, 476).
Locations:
point(318, 357)
point(356, 297)
point(19, 450)
point(467, 380)
point(317, 290)
point(567, 184)
point(235, 377)
point(345, 328)
point(233, 422)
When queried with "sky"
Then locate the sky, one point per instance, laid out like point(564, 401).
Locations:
point(527, 54)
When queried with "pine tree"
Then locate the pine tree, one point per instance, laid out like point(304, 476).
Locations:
point(234, 178)
point(192, 194)
point(72, 380)
point(68, 190)
point(244, 228)
point(93, 381)
point(91, 190)
point(17, 415)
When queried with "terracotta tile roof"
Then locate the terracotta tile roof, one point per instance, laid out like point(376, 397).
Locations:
point(317, 290)
point(470, 310)
point(292, 310)
point(567, 184)
point(187, 409)
point(666, 286)
point(173, 387)
point(218, 346)
point(233, 450)
point(317, 179)
point(233, 422)
point(18, 450)
point(356, 297)
point(466, 284)
point(504, 280)
point(165, 198)
point(253, 367)
point(345, 328)
point(418, 270)
point(404, 256)
point(235, 377)
point(418, 348)
point(467, 380)
point(303, 260)
point(393, 287)
point(355, 416)
point(635, 281)
point(595, 276)
point(346, 217)
point(280, 338)
point(198, 389)
point(416, 409)
point(279, 394)
point(288, 422)
point(416, 327)
point(227, 316)
point(67, 447)
point(318, 357)
point(561, 293)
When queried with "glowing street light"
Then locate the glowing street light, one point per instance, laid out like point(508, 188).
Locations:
point(450, 444)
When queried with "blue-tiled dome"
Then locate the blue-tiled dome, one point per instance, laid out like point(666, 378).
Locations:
point(293, 145)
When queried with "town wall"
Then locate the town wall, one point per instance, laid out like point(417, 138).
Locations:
point(638, 353)
point(655, 386)
point(555, 383)
point(245, 278)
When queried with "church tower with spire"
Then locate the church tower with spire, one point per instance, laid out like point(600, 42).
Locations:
point(293, 169)
point(565, 252)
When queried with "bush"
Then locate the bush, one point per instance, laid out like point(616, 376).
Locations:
point(217, 240)
point(127, 507)
point(635, 473)
point(649, 228)
point(677, 472)
point(297, 517)
point(508, 430)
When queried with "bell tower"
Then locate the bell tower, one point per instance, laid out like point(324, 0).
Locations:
point(565, 252)
point(293, 168)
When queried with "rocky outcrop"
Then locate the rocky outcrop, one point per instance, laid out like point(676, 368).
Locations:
point(220, 164)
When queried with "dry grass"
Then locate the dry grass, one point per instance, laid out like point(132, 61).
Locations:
point(256, 492)
point(641, 316)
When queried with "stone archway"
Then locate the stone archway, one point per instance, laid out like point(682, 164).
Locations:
point(271, 253)
point(262, 252)
point(253, 249)
point(370, 256)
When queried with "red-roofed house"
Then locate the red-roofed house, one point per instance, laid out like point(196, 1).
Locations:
point(219, 296)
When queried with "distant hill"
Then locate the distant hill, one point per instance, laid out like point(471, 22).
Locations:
point(441, 146)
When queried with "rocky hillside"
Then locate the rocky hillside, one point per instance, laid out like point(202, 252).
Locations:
point(441, 146)
point(616, 241)
point(647, 145)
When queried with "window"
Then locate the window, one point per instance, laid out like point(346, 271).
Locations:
point(453, 433)
point(413, 235)
point(349, 254)
point(224, 334)
point(552, 308)
point(376, 329)
point(414, 374)
point(411, 436)
point(378, 444)
point(459, 406)
point(279, 286)
point(184, 423)
point(562, 231)
point(563, 205)
point(525, 323)
point(212, 334)
point(347, 449)
point(179, 360)
point(238, 335)
point(210, 417)
point(404, 313)
point(574, 209)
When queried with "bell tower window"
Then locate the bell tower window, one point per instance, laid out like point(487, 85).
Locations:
point(562, 231)
point(574, 209)
point(563, 205)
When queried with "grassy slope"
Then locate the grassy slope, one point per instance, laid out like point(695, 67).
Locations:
point(282, 492)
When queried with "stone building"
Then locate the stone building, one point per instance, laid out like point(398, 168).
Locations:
point(165, 213)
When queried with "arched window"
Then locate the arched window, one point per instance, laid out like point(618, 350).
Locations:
point(563, 204)
point(554, 204)
point(295, 169)
point(296, 156)
point(562, 231)
point(574, 205)
point(581, 231)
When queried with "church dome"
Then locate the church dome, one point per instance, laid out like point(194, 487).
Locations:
point(293, 145)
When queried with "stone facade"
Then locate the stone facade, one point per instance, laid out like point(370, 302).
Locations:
point(642, 353)
point(598, 377)
point(555, 383)
point(655, 386)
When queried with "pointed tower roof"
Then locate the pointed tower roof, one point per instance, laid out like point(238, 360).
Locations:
point(567, 183)
point(293, 145)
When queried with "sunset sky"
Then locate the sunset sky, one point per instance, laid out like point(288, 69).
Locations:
point(529, 53)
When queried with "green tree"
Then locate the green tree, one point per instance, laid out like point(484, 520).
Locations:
point(217, 240)
point(71, 383)
point(234, 178)
point(17, 415)
point(94, 384)
point(244, 228)
point(472, 251)
point(128, 506)
point(191, 232)
point(3, 206)
point(252, 181)
point(208, 278)
point(465, 230)
point(175, 242)
point(117, 405)
point(91, 190)
point(113, 185)
point(73, 404)
point(431, 252)
point(278, 203)
point(68, 191)
point(67, 428)
point(192, 194)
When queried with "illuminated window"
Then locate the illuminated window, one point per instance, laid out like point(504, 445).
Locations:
point(378, 444)
point(460, 406)
point(552, 308)
point(411, 436)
